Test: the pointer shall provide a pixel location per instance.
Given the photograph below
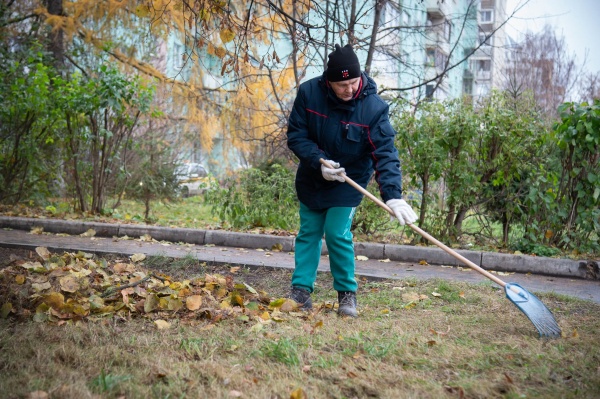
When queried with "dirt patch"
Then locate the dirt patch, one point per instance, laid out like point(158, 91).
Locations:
point(9, 255)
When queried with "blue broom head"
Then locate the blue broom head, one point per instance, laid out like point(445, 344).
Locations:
point(534, 309)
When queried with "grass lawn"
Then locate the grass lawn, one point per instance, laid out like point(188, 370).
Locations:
point(412, 339)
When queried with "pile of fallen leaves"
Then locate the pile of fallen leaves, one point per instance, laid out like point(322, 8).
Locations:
point(75, 286)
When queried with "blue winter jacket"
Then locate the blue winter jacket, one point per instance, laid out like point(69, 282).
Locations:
point(355, 133)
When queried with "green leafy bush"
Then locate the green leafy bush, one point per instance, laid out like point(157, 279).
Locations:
point(257, 197)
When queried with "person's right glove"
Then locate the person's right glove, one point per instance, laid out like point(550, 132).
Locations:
point(403, 212)
point(332, 174)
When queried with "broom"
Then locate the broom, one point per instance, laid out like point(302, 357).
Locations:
point(529, 304)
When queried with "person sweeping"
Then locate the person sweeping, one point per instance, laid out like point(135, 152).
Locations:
point(340, 118)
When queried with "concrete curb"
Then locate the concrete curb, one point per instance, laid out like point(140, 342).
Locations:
point(401, 253)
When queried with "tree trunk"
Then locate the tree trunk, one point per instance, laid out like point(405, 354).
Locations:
point(376, 20)
point(56, 44)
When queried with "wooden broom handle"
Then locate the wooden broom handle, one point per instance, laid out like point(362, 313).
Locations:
point(418, 230)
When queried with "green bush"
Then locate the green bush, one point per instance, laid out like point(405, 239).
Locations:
point(257, 197)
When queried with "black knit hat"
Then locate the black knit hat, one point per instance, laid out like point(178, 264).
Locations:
point(343, 64)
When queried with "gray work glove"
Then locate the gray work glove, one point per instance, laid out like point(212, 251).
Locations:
point(332, 174)
point(403, 212)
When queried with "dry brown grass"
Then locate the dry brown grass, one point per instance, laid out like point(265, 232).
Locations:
point(468, 342)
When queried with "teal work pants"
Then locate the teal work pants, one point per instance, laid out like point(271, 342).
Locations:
point(335, 223)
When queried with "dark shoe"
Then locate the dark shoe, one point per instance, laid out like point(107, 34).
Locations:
point(302, 297)
point(347, 303)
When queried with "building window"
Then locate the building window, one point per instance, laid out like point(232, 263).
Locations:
point(485, 40)
point(430, 57)
point(486, 16)
point(447, 30)
point(468, 86)
point(484, 65)
point(429, 91)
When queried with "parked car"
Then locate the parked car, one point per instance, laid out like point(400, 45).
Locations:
point(193, 179)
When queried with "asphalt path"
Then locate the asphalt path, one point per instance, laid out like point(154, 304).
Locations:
point(268, 258)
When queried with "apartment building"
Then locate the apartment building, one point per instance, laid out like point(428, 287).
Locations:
point(488, 62)
point(424, 47)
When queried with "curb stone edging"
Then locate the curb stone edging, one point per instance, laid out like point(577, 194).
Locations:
point(490, 261)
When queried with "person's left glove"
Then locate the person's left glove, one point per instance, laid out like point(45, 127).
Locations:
point(403, 212)
point(332, 174)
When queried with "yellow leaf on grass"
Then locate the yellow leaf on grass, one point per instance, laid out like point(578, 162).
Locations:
point(137, 257)
point(436, 294)
point(162, 324)
point(265, 316)
point(193, 302)
point(298, 393)
point(410, 297)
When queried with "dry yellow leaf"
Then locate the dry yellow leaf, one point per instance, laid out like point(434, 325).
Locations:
point(423, 262)
point(43, 252)
point(410, 297)
point(298, 393)
point(89, 233)
point(162, 324)
point(137, 258)
point(436, 294)
point(193, 302)
point(384, 260)
point(41, 286)
point(226, 35)
point(69, 284)
point(123, 267)
point(265, 316)
point(54, 299)
point(362, 258)
point(220, 52)
point(289, 306)
point(19, 279)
